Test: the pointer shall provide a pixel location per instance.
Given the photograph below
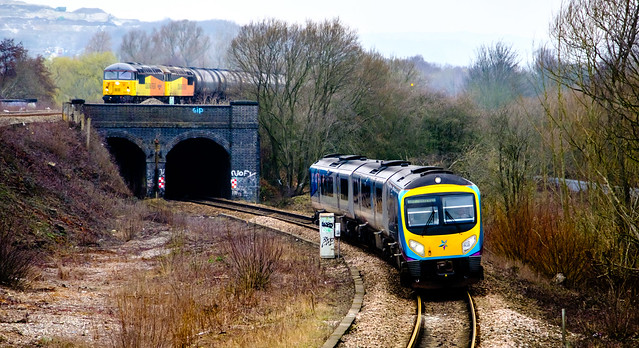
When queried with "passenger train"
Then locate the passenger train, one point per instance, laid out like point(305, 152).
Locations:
point(427, 220)
point(135, 82)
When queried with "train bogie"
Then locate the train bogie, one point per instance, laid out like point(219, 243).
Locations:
point(425, 219)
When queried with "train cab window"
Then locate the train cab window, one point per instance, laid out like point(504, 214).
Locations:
point(458, 208)
point(110, 75)
point(343, 189)
point(422, 211)
point(141, 79)
point(440, 213)
point(126, 75)
point(190, 81)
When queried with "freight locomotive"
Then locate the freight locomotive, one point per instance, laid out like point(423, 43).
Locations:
point(135, 82)
point(427, 220)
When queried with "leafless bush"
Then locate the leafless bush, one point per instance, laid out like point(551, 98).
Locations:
point(542, 236)
point(16, 260)
point(252, 257)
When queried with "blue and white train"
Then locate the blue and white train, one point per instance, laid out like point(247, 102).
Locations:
point(427, 220)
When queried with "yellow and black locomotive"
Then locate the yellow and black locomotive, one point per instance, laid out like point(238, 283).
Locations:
point(134, 83)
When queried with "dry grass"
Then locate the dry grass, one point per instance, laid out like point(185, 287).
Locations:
point(228, 285)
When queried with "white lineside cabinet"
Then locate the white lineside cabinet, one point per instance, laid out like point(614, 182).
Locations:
point(327, 235)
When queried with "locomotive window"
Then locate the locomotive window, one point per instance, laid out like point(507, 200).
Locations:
point(343, 189)
point(458, 208)
point(110, 75)
point(125, 75)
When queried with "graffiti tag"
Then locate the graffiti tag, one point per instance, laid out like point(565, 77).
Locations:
point(242, 173)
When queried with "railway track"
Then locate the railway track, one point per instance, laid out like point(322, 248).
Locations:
point(297, 219)
point(444, 319)
point(19, 117)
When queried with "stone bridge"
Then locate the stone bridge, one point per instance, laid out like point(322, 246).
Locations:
point(178, 151)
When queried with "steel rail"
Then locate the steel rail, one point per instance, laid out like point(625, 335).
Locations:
point(286, 216)
point(418, 330)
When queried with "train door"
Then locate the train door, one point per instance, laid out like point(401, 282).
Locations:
point(366, 199)
point(379, 202)
point(343, 193)
point(392, 211)
point(356, 196)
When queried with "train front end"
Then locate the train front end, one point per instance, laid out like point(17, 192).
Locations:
point(441, 232)
point(119, 84)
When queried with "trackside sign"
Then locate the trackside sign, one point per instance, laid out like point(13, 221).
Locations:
point(327, 235)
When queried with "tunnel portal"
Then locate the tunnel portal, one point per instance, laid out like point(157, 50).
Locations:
point(131, 163)
point(197, 168)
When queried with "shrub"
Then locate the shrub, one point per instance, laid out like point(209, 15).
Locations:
point(16, 260)
point(252, 258)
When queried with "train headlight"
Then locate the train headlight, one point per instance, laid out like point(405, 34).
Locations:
point(417, 247)
point(469, 243)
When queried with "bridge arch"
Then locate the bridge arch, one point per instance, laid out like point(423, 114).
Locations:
point(129, 155)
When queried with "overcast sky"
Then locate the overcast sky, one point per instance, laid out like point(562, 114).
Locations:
point(442, 31)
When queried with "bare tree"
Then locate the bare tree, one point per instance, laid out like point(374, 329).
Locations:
point(494, 78)
point(99, 42)
point(136, 46)
point(182, 43)
point(299, 74)
point(596, 67)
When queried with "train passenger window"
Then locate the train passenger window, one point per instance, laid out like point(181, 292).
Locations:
point(378, 198)
point(343, 189)
point(366, 195)
point(327, 186)
point(458, 208)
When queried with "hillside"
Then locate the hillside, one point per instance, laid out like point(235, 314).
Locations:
point(51, 32)
point(53, 192)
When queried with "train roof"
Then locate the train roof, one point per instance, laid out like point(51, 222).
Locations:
point(399, 172)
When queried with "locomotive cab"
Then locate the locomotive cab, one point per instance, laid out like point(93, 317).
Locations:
point(119, 83)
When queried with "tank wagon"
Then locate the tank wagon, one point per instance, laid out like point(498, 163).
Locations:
point(425, 219)
point(135, 82)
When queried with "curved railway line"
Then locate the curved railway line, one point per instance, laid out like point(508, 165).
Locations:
point(444, 320)
point(437, 316)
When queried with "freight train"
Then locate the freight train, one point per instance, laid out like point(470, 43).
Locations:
point(135, 83)
point(425, 219)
